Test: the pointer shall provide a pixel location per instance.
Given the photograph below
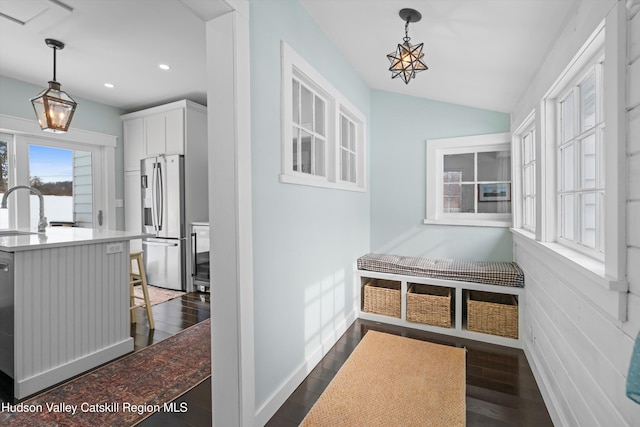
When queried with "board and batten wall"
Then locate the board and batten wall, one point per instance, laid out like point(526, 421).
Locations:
point(71, 312)
point(578, 351)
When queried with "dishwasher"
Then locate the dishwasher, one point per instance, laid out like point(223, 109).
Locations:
point(6, 313)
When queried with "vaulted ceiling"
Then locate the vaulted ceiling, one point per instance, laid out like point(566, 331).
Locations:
point(481, 53)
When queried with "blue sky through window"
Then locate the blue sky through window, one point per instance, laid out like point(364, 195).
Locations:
point(50, 164)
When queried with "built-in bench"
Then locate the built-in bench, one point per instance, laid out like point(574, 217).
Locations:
point(476, 300)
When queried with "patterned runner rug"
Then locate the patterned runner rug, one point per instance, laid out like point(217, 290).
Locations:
point(394, 381)
point(157, 295)
point(126, 391)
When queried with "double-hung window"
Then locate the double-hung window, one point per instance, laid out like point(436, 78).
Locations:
point(323, 134)
point(308, 127)
point(529, 180)
point(348, 149)
point(579, 140)
point(524, 147)
point(469, 180)
point(580, 163)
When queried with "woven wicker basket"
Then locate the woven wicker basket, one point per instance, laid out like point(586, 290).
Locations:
point(494, 314)
point(429, 304)
point(382, 297)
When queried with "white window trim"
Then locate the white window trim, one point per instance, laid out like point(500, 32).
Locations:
point(568, 87)
point(436, 148)
point(336, 104)
point(21, 127)
point(343, 113)
point(517, 180)
point(604, 281)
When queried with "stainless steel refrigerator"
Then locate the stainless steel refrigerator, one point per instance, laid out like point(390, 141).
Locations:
point(163, 216)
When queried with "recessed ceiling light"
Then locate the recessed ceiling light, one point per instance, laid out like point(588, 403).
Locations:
point(164, 66)
point(109, 85)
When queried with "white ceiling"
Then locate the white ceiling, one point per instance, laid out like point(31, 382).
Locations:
point(481, 53)
point(110, 41)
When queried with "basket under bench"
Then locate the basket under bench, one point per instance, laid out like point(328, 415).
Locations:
point(421, 303)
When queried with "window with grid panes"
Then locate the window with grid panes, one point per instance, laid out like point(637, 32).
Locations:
point(309, 129)
point(469, 180)
point(323, 133)
point(348, 149)
point(580, 163)
point(528, 174)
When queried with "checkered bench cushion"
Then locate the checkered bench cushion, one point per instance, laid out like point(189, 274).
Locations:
point(491, 273)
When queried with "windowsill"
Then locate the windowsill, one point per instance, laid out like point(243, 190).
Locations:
point(313, 181)
point(469, 222)
point(568, 261)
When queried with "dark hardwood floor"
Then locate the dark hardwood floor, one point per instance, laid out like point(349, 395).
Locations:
point(170, 317)
point(501, 390)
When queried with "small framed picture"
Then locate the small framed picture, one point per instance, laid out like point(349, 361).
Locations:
point(494, 192)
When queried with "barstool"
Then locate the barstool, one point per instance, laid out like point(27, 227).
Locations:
point(140, 278)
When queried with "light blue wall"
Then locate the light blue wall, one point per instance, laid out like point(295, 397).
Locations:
point(306, 239)
point(400, 125)
point(92, 116)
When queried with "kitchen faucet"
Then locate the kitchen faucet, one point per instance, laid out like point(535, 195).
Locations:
point(42, 223)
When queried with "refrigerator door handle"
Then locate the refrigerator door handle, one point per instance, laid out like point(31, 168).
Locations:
point(154, 243)
point(153, 198)
point(161, 197)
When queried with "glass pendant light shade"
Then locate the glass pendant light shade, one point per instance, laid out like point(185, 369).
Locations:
point(407, 59)
point(54, 108)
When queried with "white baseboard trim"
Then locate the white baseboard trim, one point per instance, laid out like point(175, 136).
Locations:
point(35, 383)
point(557, 417)
point(275, 401)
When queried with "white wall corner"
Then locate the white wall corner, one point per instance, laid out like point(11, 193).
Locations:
point(289, 385)
point(230, 198)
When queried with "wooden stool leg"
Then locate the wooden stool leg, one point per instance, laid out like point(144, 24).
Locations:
point(132, 300)
point(145, 291)
point(132, 304)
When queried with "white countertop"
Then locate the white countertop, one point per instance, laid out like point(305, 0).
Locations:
point(60, 236)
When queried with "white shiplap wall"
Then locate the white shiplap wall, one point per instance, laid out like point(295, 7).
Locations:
point(579, 353)
point(633, 168)
point(82, 189)
point(71, 312)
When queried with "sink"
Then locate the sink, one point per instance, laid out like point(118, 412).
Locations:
point(15, 233)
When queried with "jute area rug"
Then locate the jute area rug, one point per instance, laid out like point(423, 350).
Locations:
point(394, 381)
point(126, 391)
point(157, 295)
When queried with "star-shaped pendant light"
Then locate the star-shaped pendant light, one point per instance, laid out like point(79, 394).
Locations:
point(407, 59)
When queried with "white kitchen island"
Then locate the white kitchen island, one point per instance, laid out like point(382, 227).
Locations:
point(70, 303)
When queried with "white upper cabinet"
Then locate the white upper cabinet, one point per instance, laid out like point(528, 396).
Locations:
point(174, 131)
point(164, 133)
point(133, 141)
point(158, 130)
point(154, 134)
